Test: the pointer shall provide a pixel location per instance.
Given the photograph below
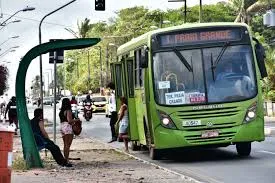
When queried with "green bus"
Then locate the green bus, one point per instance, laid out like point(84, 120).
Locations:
point(192, 85)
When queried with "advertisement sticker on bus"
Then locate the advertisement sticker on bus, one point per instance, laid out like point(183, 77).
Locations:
point(164, 84)
point(175, 98)
point(196, 97)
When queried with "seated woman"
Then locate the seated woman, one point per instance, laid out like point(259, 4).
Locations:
point(42, 138)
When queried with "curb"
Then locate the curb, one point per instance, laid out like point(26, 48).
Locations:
point(184, 177)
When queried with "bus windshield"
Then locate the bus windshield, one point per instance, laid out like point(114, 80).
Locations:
point(232, 79)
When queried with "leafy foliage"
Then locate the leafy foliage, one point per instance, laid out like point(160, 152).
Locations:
point(3, 79)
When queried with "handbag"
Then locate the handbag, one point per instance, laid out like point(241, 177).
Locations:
point(77, 127)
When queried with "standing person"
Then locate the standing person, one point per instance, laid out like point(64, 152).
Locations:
point(66, 119)
point(123, 122)
point(2, 106)
point(112, 109)
point(38, 102)
point(42, 138)
point(74, 107)
point(11, 108)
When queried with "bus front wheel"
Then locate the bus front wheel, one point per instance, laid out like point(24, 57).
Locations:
point(243, 148)
point(155, 154)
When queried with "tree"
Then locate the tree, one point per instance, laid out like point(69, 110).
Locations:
point(36, 86)
point(247, 8)
point(3, 79)
point(84, 27)
point(129, 23)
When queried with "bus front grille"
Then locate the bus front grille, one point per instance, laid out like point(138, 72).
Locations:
point(215, 116)
point(214, 126)
point(208, 113)
point(197, 139)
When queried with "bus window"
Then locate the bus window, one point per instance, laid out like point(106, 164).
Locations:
point(137, 58)
point(234, 77)
point(130, 78)
point(118, 80)
point(173, 79)
point(139, 72)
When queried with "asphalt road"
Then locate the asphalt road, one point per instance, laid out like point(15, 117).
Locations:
point(206, 165)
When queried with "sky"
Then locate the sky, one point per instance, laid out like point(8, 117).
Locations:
point(54, 26)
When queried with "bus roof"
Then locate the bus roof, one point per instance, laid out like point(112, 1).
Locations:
point(144, 37)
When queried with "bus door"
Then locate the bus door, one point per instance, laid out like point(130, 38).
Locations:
point(128, 70)
point(119, 92)
point(139, 97)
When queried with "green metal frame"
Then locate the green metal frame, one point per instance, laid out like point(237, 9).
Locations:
point(31, 154)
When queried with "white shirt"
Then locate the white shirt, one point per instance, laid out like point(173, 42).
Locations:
point(112, 103)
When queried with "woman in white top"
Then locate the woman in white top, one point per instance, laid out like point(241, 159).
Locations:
point(123, 122)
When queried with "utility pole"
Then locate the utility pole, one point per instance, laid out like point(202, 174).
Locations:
point(107, 63)
point(54, 98)
point(200, 11)
point(89, 74)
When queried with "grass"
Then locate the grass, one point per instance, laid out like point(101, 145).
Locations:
point(19, 164)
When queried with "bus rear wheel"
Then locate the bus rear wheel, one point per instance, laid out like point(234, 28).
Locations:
point(155, 154)
point(135, 146)
point(243, 148)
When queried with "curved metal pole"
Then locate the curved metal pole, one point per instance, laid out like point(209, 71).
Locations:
point(40, 57)
point(3, 23)
point(31, 154)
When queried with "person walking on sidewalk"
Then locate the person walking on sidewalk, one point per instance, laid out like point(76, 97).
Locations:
point(11, 110)
point(42, 138)
point(112, 109)
point(66, 119)
point(123, 122)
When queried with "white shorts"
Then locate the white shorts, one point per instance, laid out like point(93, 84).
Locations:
point(66, 128)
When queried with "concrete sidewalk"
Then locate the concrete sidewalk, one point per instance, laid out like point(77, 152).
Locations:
point(99, 163)
point(269, 129)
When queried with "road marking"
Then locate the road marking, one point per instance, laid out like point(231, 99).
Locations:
point(267, 152)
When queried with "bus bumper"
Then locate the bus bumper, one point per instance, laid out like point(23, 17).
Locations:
point(168, 138)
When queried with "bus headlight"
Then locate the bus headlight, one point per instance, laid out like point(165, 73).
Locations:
point(251, 113)
point(166, 121)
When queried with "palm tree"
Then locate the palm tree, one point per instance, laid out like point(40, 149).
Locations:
point(84, 27)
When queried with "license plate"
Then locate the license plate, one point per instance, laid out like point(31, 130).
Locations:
point(209, 134)
point(191, 123)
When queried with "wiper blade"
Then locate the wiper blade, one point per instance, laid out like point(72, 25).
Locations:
point(183, 60)
point(220, 55)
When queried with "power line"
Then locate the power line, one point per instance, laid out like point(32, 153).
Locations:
point(50, 23)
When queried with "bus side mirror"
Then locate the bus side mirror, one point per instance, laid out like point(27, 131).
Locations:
point(144, 57)
point(260, 56)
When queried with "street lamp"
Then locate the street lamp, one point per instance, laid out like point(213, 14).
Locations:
point(15, 21)
point(25, 9)
point(40, 58)
point(13, 37)
point(11, 49)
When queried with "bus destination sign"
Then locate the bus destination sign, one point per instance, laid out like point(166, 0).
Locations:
point(182, 38)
